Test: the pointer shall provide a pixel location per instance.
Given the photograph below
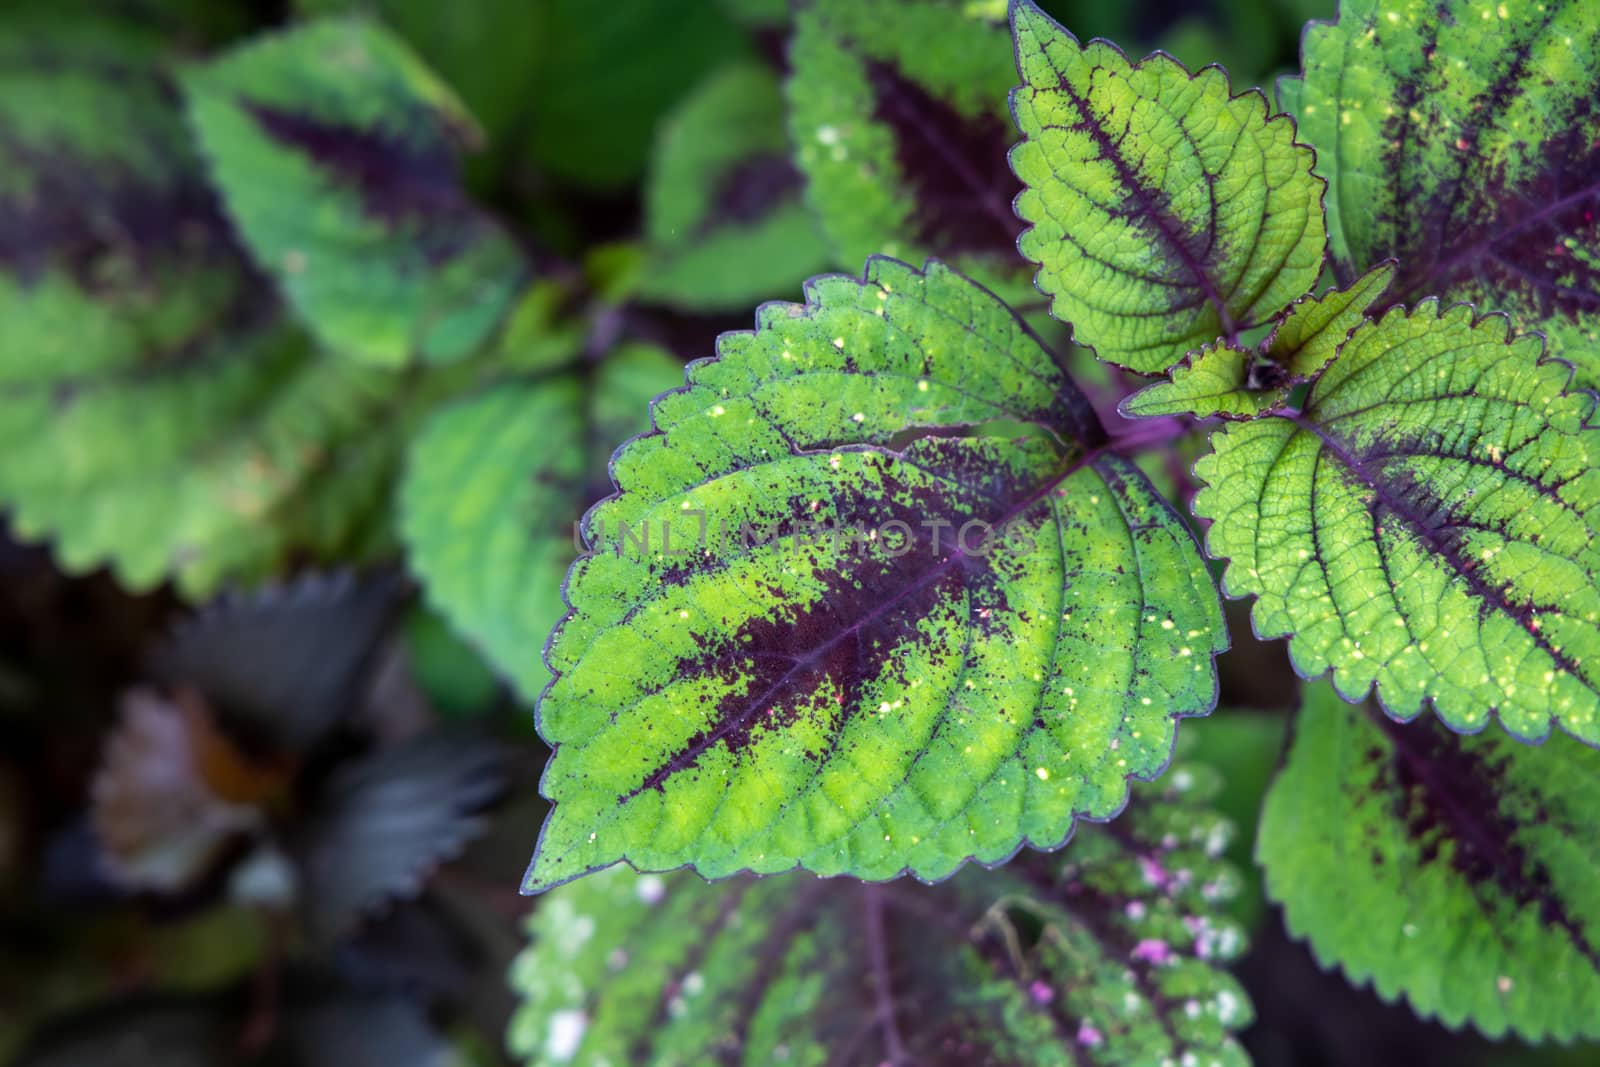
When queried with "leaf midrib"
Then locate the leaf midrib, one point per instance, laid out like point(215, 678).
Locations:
point(686, 758)
point(1484, 593)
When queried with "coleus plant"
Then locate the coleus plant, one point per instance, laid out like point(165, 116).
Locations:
point(883, 591)
point(1381, 299)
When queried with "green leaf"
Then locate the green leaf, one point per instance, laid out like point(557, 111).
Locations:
point(488, 55)
point(493, 488)
point(1164, 211)
point(1107, 954)
point(602, 80)
point(897, 111)
point(1218, 380)
point(157, 414)
point(1457, 872)
point(112, 245)
point(1231, 382)
point(723, 207)
point(1428, 523)
point(1309, 334)
point(334, 149)
point(736, 691)
point(1462, 137)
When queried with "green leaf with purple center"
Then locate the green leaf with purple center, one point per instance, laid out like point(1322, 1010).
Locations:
point(1457, 872)
point(1428, 523)
point(1107, 954)
point(1463, 138)
point(876, 595)
point(1164, 211)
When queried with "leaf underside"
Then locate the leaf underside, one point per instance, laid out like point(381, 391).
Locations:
point(1164, 212)
point(1463, 138)
point(750, 696)
point(1456, 871)
point(1107, 955)
point(334, 150)
point(1428, 524)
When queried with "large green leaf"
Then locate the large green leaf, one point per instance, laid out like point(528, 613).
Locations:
point(723, 208)
point(155, 412)
point(494, 488)
point(1164, 211)
point(1428, 523)
point(334, 149)
point(1106, 954)
point(903, 695)
point(1463, 138)
point(897, 111)
point(1458, 872)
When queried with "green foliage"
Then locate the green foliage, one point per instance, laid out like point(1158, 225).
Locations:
point(875, 590)
point(333, 148)
point(488, 508)
point(1164, 211)
point(724, 214)
point(159, 416)
point(1457, 872)
point(898, 117)
point(891, 700)
point(1426, 523)
point(1106, 955)
point(588, 65)
point(1463, 139)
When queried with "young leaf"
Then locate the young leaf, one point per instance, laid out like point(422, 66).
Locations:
point(1428, 523)
point(491, 492)
point(1164, 210)
point(723, 208)
point(897, 114)
point(158, 415)
point(1463, 138)
point(1214, 381)
point(1106, 954)
point(1004, 627)
point(1233, 383)
point(1455, 871)
point(334, 149)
